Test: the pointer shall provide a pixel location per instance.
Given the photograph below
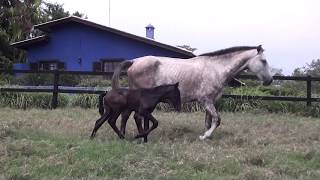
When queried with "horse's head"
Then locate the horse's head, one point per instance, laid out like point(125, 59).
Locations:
point(173, 96)
point(259, 66)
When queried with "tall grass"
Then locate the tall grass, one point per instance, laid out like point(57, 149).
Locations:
point(83, 100)
point(30, 100)
point(45, 144)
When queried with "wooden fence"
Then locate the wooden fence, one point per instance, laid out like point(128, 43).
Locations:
point(56, 90)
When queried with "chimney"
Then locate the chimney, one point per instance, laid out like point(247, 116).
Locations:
point(150, 31)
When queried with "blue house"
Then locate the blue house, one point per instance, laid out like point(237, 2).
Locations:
point(75, 44)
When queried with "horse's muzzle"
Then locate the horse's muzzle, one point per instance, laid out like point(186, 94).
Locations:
point(266, 83)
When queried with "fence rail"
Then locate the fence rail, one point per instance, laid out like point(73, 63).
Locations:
point(55, 90)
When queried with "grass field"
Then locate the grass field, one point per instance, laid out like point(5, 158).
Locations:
point(44, 144)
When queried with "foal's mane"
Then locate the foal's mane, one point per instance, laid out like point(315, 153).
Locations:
point(230, 50)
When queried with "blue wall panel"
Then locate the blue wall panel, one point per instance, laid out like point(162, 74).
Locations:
point(73, 41)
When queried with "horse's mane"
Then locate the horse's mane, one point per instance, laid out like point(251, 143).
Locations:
point(230, 50)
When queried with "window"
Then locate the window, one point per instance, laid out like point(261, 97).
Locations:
point(47, 66)
point(106, 65)
point(109, 65)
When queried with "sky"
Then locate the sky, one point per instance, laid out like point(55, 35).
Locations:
point(288, 30)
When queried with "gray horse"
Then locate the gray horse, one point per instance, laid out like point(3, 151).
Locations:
point(201, 78)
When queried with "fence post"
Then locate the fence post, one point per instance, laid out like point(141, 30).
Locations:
point(54, 102)
point(308, 90)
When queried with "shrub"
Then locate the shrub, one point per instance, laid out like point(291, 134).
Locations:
point(5, 79)
point(30, 100)
point(34, 79)
point(313, 111)
point(94, 81)
point(69, 79)
point(84, 100)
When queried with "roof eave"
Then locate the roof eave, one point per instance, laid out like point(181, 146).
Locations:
point(26, 43)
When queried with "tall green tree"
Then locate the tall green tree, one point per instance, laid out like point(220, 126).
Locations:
point(17, 18)
point(310, 69)
point(187, 47)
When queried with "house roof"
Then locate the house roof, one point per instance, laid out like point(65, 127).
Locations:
point(28, 42)
point(47, 27)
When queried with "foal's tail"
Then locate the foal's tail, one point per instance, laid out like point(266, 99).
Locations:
point(101, 107)
point(117, 71)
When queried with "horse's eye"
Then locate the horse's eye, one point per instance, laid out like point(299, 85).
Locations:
point(264, 61)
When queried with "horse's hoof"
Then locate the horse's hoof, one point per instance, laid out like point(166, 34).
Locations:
point(202, 138)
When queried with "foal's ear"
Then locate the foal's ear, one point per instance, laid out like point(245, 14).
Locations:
point(176, 84)
point(260, 49)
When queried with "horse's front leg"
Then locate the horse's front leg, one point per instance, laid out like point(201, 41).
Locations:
point(124, 119)
point(215, 120)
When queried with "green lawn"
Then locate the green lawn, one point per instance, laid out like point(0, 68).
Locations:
point(44, 144)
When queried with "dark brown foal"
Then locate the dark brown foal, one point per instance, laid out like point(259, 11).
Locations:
point(142, 102)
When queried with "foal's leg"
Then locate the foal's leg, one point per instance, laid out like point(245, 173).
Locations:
point(215, 120)
point(124, 119)
point(112, 121)
point(154, 125)
point(138, 120)
point(99, 123)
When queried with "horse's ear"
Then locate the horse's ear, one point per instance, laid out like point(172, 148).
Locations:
point(177, 84)
point(260, 49)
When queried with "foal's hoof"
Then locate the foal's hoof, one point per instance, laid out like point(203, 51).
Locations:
point(139, 136)
point(121, 136)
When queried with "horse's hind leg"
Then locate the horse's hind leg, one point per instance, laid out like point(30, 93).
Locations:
point(215, 120)
point(99, 123)
point(208, 120)
point(112, 121)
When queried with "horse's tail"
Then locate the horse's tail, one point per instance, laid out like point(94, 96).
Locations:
point(101, 106)
point(117, 71)
point(104, 108)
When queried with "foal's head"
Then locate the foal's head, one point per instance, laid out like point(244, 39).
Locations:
point(259, 66)
point(171, 94)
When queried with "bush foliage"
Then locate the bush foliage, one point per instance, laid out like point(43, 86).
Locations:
point(43, 100)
